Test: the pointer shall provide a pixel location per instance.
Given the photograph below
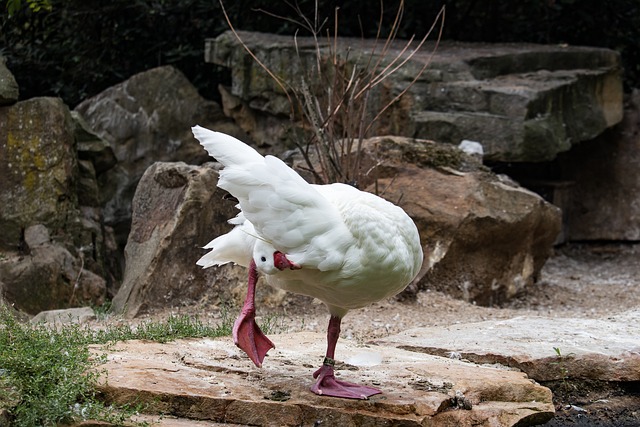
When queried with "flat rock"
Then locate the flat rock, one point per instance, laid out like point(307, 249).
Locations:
point(69, 315)
point(170, 421)
point(599, 349)
point(210, 379)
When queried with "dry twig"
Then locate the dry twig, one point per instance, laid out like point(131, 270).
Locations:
point(333, 94)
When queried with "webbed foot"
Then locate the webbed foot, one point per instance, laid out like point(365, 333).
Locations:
point(248, 336)
point(328, 385)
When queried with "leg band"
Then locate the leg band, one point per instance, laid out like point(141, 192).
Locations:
point(329, 361)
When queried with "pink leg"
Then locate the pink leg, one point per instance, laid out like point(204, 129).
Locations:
point(246, 333)
point(327, 384)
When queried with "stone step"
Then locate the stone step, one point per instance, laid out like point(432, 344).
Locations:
point(513, 95)
point(213, 381)
point(534, 116)
point(549, 97)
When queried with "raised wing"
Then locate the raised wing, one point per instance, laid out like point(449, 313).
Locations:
point(285, 210)
point(225, 148)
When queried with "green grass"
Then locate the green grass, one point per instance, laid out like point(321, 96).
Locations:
point(175, 327)
point(49, 376)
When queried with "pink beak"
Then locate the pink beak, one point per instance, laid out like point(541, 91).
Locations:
point(281, 262)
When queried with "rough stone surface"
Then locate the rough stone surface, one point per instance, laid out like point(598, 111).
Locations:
point(69, 315)
point(38, 170)
point(523, 102)
point(91, 147)
point(95, 159)
point(212, 380)
point(172, 421)
point(36, 235)
point(48, 276)
point(263, 129)
point(145, 119)
point(177, 209)
point(9, 91)
point(590, 349)
point(458, 207)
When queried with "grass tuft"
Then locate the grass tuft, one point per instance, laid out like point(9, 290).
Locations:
point(173, 328)
point(48, 376)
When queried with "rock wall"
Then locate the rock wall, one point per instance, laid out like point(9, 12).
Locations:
point(596, 183)
point(551, 117)
point(66, 186)
point(65, 189)
point(522, 102)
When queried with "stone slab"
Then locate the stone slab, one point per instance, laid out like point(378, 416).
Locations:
point(210, 379)
point(76, 315)
point(600, 349)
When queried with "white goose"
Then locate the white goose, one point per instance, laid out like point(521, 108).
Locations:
point(333, 242)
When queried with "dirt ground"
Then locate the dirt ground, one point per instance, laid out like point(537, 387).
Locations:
point(579, 280)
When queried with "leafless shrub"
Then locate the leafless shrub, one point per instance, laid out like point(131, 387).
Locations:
point(333, 93)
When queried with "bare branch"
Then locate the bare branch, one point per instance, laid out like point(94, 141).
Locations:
point(440, 17)
point(334, 90)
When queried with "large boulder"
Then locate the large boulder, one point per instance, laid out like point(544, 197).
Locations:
point(38, 180)
point(177, 209)
point(485, 238)
point(523, 102)
point(146, 119)
point(52, 247)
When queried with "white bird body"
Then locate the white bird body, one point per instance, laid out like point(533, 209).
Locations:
point(353, 248)
point(343, 246)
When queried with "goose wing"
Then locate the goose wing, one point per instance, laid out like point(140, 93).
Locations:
point(285, 210)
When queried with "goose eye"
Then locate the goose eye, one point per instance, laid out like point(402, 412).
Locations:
point(263, 259)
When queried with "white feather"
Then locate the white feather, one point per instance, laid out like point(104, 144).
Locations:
point(353, 247)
